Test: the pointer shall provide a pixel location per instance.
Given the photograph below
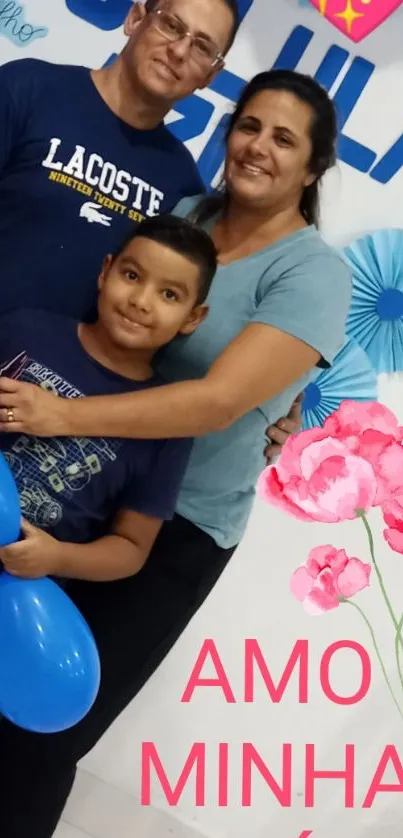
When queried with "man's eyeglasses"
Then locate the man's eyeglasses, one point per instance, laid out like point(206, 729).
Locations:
point(173, 29)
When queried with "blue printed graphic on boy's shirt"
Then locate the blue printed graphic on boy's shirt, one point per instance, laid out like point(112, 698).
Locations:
point(47, 470)
point(15, 27)
point(75, 486)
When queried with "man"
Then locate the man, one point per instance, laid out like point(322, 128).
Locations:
point(83, 156)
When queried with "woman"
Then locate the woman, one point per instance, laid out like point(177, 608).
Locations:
point(277, 310)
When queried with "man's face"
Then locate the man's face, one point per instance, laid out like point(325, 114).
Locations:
point(168, 70)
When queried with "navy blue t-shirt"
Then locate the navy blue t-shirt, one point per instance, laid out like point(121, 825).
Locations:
point(74, 180)
point(74, 486)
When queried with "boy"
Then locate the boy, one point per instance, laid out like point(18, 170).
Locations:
point(93, 507)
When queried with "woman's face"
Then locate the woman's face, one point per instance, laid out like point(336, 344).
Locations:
point(269, 150)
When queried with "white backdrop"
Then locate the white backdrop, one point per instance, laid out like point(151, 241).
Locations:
point(253, 600)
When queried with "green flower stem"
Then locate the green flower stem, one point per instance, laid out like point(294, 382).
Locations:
point(376, 647)
point(398, 642)
point(379, 575)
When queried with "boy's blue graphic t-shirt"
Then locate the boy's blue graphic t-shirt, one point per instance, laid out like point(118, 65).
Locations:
point(74, 486)
point(74, 181)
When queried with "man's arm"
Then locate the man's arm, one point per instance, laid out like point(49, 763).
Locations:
point(121, 553)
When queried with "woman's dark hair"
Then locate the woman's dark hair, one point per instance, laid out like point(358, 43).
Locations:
point(185, 238)
point(323, 136)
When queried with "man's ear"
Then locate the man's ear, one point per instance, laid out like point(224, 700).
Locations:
point(196, 316)
point(106, 264)
point(134, 19)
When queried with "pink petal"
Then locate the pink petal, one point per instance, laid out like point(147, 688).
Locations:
point(339, 561)
point(390, 469)
point(354, 577)
point(393, 523)
point(314, 455)
point(302, 497)
point(353, 418)
point(395, 540)
point(371, 445)
point(342, 486)
point(301, 583)
point(393, 513)
point(318, 601)
point(319, 558)
point(289, 462)
point(271, 490)
point(326, 581)
point(384, 454)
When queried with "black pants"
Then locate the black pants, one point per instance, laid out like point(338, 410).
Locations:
point(135, 623)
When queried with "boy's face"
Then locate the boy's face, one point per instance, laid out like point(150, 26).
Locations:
point(148, 295)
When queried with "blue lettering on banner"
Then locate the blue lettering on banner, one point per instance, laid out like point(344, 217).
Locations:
point(14, 26)
point(390, 164)
point(110, 14)
point(212, 156)
point(195, 112)
point(354, 83)
point(294, 48)
point(104, 14)
point(112, 58)
point(243, 7)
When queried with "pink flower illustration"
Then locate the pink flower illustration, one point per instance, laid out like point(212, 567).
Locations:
point(371, 431)
point(351, 419)
point(334, 473)
point(318, 479)
point(328, 576)
point(393, 515)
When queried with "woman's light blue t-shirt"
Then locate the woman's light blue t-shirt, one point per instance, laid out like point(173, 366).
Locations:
point(299, 285)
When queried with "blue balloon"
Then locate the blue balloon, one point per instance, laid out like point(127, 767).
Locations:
point(10, 513)
point(49, 663)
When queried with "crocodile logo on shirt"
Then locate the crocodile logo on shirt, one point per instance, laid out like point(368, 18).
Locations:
point(92, 213)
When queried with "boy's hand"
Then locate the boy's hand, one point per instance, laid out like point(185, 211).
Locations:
point(279, 433)
point(34, 557)
point(29, 409)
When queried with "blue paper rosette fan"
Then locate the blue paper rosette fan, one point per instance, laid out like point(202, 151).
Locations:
point(350, 377)
point(376, 315)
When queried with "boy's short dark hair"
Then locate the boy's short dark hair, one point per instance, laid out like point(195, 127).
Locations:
point(185, 238)
point(151, 5)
